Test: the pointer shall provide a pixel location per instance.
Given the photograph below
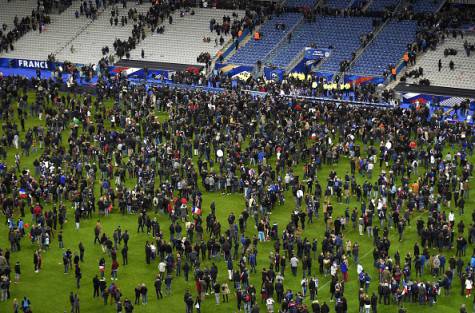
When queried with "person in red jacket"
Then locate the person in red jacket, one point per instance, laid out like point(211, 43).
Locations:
point(114, 269)
point(37, 211)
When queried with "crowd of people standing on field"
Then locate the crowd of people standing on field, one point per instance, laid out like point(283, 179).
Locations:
point(399, 165)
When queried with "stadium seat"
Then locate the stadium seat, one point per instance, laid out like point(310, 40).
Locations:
point(255, 51)
point(300, 3)
point(387, 48)
point(382, 5)
point(427, 6)
point(463, 75)
point(170, 47)
point(10, 9)
point(322, 35)
point(87, 50)
point(58, 33)
point(337, 4)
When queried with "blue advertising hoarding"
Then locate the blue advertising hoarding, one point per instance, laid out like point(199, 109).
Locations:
point(316, 54)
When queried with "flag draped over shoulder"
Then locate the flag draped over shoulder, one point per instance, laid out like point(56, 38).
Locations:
point(22, 193)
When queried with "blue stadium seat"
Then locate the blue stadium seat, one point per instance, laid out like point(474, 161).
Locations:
point(359, 3)
point(381, 5)
point(300, 3)
point(387, 48)
point(342, 33)
point(338, 4)
point(427, 6)
point(254, 50)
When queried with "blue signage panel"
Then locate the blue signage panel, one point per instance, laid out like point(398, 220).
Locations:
point(316, 54)
point(32, 64)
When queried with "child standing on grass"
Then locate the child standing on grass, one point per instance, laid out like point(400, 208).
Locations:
point(17, 272)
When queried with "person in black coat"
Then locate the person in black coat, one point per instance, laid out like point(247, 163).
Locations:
point(124, 252)
point(71, 300)
point(374, 303)
point(188, 299)
point(95, 284)
point(186, 270)
point(315, 307)
point(81, 251)
point(158, 287)
point(126, 237)
point(255, 309)
point(129, 308)
point(148, 252)
point(78, 275)
point(137, 294)
point(324, 308)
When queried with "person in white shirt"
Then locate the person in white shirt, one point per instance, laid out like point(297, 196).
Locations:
point(333, 269)
point(359, 269)
point(279, 278)
point(451, 217)
point(468, 287)
point(294, 262)
point(299, 197)
point(270, 305)
point(161, 269)
point(370, 170)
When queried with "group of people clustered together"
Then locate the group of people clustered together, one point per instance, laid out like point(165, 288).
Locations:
point(16, 28)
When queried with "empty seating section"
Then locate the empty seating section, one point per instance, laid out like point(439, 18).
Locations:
point(257, 50)
point(381, 5)
point(359, 3)
point(182, 41)
point(427, 6)
point(463, 75)
point(300, 3)
point(387, 48)
point(322, 34)
point(87, 47)
point(62, 29)
point(337, 4)
point(20, 8)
